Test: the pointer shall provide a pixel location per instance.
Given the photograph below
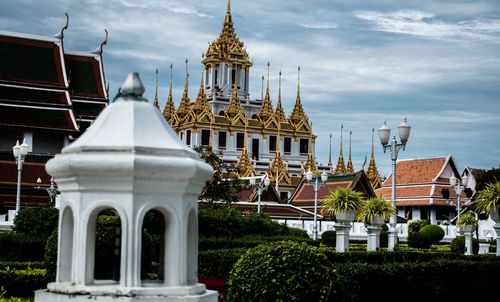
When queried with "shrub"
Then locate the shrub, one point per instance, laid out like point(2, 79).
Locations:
point(467, 219)
point(432, 233)
point(50, 256)
point(457, 245)
point(218, 263)
point(37, 222)
point(373, 207)
point(280, 271)
point(214, 243)
point(22, 283)
point(415, 239)
point(329, 238)
point(342, 199)
point(18, 247)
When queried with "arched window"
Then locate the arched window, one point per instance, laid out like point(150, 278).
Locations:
point(153, 247)
point(104, 245)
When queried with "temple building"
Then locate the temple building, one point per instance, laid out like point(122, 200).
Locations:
point(48, 97)
point(254, 134)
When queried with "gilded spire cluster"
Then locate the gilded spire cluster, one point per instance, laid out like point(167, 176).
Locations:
point(169, 111)
point(350, 167)
point(185, 104)
point(298, 115)
point(280, 113)
point(244, 166)
point(341, 169)
point(310, 163)
point(278, 171)
point(372, 173)
point(227, 47)
point(266, 111)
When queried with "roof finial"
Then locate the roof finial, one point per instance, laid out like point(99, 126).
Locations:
point(341, 169)
point(60, 34)
point(330, 164)
point(350, 167)
point(132, 89)
point(373, 149)
point(155, 101)
point(298, 84)
point(267, 89)
point(280, 113)
point(170, 92)
point(228, 13)
point(279, 88)
point(186, 84)
point(262, 89)
point(98, 50)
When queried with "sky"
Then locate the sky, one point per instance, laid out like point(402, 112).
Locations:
point(362, 62)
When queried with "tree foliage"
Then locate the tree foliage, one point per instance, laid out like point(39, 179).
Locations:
point(223, 186)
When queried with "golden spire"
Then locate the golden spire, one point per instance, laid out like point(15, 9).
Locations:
point(266, 111)
point(278, 171)
point(169, 110)
point(298, 114)
point(185, 101)
point(244, 166)
point(310, 163)
point(280, 113)
point(340, 169)
point(262, 89)
point(227, 47)
point(155, 102)
point(372, 173)
point(234, 107)
point(201, 104)
point(330, 164)
point(350, 167)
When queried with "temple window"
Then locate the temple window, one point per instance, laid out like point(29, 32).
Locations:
point(188, 137)
point(272, 143)
point(287, 145)
point(240, 138)
point(222, 139)
point(304, 146)
point(205, 137)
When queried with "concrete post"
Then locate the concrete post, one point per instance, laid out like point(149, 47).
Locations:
point(373, 237)
point(342, 229)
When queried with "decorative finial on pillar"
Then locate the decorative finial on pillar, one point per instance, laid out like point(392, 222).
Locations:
point(132, 89)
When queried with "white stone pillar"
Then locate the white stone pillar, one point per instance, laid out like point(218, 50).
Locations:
point(342, 234)
point(497, 230)
point(373, 240)
point(468, 230)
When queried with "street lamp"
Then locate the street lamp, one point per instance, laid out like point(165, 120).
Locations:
point(52, 190)
point(20, 152)
point(385, 133)
point(458, 188)
point(262, 185)
point(316, 186)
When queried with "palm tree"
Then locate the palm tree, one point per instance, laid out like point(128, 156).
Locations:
point(342, 199)
point(489, 198)
point(374, 207)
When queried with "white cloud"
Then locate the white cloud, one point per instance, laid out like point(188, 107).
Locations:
point(319, 25)
point(427, 25)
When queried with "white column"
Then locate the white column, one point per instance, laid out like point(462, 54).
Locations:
point(373, 237)
point(342, 233)
point(432, 215)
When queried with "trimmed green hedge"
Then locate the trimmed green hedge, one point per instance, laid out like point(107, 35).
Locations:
point(16, 265)
point(445, 280)
point(214, 243)
point(218, 263)
point(18, 247)
point(23, 283)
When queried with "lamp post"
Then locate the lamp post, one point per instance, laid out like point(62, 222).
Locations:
point(20, 152)
point(262, 185)
point(316, 186)
point(394, 146)
point(458, 188)
point(52, 190)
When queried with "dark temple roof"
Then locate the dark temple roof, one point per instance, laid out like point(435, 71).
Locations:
point(31, 60)
point(37, 117)
point(86, 78)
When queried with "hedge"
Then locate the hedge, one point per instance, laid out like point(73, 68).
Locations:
point(214, 243)
point(23, 283)
point(445, 280)
point(17, 265)
point(17, 247)
point(218, 263)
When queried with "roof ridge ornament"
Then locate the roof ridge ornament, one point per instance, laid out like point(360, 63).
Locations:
point(60, 34)
point(131, 90)
point(98, 50)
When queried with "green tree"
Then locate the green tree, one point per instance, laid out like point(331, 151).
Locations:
point(489, 176)
point(223, 185)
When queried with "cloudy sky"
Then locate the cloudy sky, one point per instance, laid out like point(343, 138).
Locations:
point(362, 62)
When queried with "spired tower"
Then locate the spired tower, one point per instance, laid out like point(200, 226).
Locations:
point(231, 113)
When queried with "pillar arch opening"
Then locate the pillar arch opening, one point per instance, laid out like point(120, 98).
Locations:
point(104, 247)
point(153, 241)
point(192, 248)
point(66, 247)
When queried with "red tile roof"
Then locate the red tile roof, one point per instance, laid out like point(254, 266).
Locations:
point(417, 170)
